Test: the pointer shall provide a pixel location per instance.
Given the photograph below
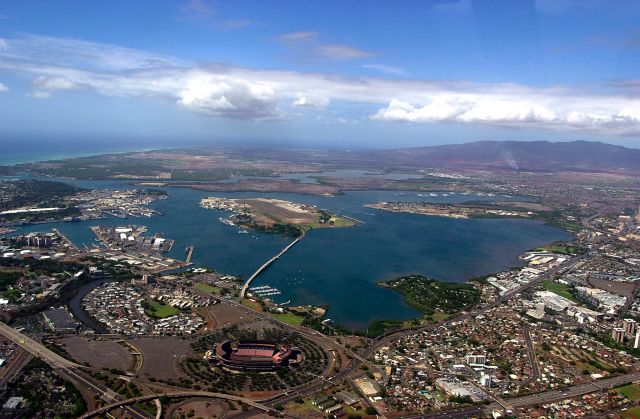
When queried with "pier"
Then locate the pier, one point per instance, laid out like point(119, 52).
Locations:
point(353, 219)
point(189, 254)
point(245, 286)
point(65, 239)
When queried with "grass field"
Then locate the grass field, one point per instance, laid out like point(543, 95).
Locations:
point(288, 318)
point(210, 289)
point(559, 289)
point(633, 413)
point(159, 310)
point(631, 391)
point(254, 305)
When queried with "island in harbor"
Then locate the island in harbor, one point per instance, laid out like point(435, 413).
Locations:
point(465, 209)
point(275, 215)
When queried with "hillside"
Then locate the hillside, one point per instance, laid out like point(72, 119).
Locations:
point(506, 155)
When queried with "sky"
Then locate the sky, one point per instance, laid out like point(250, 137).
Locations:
point(335, 74)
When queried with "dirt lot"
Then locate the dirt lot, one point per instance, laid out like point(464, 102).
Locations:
point(202, 408)
point(98, 353)
point(162, 356)
point(624, 289)
point(227, 315)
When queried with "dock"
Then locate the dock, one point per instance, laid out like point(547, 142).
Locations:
point(268, 263)
point(189, 254)
point(352, 219)
point(65, 239)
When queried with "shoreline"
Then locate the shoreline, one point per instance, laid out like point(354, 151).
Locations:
point(389, 323)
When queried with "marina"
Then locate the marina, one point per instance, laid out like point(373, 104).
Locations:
point(265, 291)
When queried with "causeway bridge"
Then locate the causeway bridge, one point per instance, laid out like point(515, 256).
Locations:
point(268, 263)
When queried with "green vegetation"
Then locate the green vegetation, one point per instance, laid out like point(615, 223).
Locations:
point(560, 289)
point(209, 289)
point(33, 217)
point(288, 318)
point(631, 391)
point(35, 383)
point(38, 193)
point(565, 249)
point(217, 174)
point(253, 305)
point(379, 327)
point(633, 413)
point(8, 278)
point(277, 228)
point(431, 296)
point(436, 300)
point(556, 218)
point(158, 310)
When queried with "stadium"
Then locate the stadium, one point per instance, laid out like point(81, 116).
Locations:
point(254, 355)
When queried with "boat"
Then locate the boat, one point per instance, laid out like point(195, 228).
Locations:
point(226, 221)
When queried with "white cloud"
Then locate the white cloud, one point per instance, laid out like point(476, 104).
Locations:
point(198, 8)
point(3, 43)
point(52, 84)
point(341, 52)
point(3, 88)
point(34, 50)
point(298, 36)
point(596, 113)
point(237, 24)
point(36, 94)
point(312, 102)
point(233, 92)
point(388, 69)
point(307, 44)
point(457, 7)
point(235, 98)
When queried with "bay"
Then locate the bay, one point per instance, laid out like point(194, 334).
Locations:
point(337, 267)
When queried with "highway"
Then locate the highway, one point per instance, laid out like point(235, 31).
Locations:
point(535, 370)
point(66, 368)
point(538, 398)
point(176, 394)
point(573, 391)
point(35, 348)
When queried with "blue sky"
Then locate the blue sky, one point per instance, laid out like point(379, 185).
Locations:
point(319, 73)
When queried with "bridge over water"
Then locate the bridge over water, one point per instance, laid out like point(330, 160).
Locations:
point(268, 263)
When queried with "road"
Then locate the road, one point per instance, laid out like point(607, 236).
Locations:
point(265, 265)
point(18, 362)
point(538, 398)
point(64, 367)
point(173, 395)
point(386, 338)
point(35, 348)
point(535, 370)
point(71, 369)
point(574, 391)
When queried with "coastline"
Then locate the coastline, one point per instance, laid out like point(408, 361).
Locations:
point(378, 327)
